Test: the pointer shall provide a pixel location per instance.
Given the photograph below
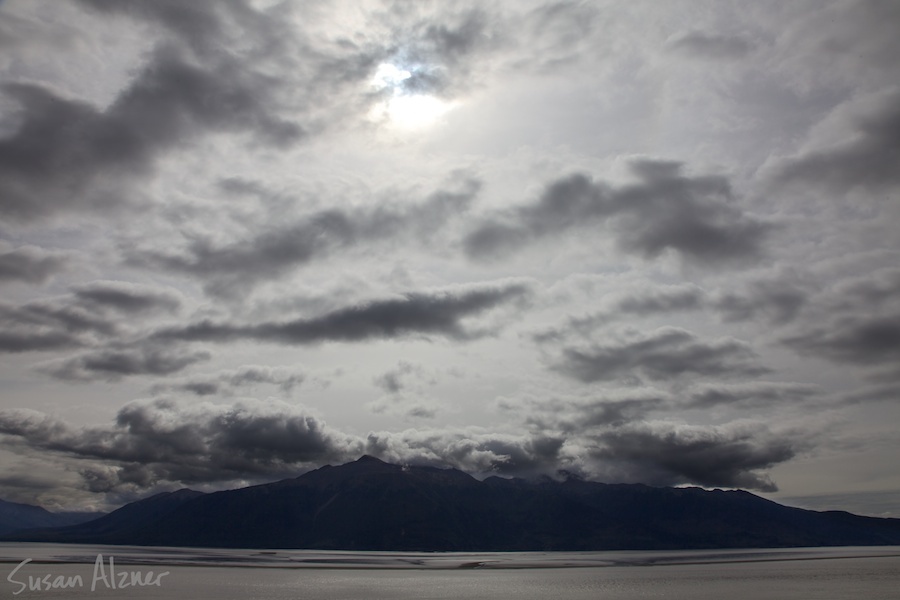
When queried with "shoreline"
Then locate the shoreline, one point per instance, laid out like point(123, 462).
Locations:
point(12, 553)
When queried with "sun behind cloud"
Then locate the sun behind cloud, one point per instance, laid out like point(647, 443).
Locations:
point(402, 108)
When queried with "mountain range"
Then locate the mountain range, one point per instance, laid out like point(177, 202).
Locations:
point(15, 516)
point(372, 505)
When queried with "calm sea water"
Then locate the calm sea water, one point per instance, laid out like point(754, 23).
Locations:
point(68, 571)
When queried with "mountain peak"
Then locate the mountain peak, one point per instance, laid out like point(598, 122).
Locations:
point(366, 458)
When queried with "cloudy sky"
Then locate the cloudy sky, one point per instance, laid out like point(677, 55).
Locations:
point(646, 242)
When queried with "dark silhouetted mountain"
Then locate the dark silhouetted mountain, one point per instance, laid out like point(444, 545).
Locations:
point(117, 525)
point(15, 517)
point(373, 505)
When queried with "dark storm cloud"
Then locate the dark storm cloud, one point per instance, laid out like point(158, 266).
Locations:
point(30, 341)
point(274, 250)
point(24, 481)
point(664, 211)
point(413, 314)
point(868, 159)
point(666, 454)
point(536, 454)
point(30, 264)
point(44, 156)
point(93, 313)
point(609, 437)
point(226, 382)
point(665, 353)
point(756, 394)
point(657, 453)
point(711, 46)
point(861, 340)
point(47, 325)
point(163, 441)
point(153, 442)
point(68, 155)
point(128, 298)
point(855, 321)
point(112, 364)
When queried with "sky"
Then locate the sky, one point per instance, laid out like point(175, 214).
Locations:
point(640, 242)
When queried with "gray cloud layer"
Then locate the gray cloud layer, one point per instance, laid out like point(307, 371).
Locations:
point(778, 299)
point(273, 251)
point(395, 380)
point(30, 264)
point(68, 155)
point(127, 298)
point(868, 158)
point(711, 46)
point(723, 456)
point(664, 211)
point(854, 323)
point(574, 416)
point(112, 364)
point(93, 313)
point(753, 394)
point(663, 354)
point(49, 325)
point(414, 314)
point(226, 382)
point(161, 440)
point(860, 340)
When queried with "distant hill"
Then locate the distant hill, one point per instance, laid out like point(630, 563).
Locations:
point(116, 526)
point(15, 517)
point(372, 505)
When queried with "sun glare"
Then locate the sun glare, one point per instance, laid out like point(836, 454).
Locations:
point(402, 108)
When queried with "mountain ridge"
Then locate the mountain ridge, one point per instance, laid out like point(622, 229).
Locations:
point(369, 504)
point(16, 516)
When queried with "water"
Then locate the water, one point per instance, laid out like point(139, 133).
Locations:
point(818, 573)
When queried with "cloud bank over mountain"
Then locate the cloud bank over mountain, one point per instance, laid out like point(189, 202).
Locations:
point(629, 241)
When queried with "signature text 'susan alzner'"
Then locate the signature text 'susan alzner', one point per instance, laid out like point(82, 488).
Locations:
point(104, 575)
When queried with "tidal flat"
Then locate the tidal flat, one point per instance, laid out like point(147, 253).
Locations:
point(31, 570)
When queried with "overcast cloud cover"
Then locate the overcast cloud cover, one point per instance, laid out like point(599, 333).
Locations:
point(635, 241)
